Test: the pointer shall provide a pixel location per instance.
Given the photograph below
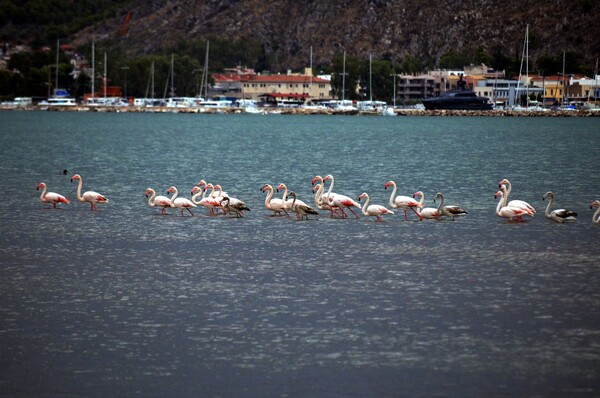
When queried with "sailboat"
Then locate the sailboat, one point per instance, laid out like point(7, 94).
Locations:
point(525, 58)
point(589, 105)
point(59, 97)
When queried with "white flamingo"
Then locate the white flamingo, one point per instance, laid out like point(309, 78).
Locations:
point(326, 195)
point(205, 201)
point(160, 201)
point(180, 203)
point(321, 204)
point(337, 201)
point(558, 215)
point(513, 203)
point(273, 204)
point(596, 216)
point(373, 210)
point(512, 213)
point(302, 210)
point(403, 202)
point(51, 197)
point(430, 213)
point(89, 196)
point(449, 210)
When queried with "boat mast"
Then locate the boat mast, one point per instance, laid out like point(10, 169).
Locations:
point(152, 80)
point(564, 90)
point(204, 84)
point(93, 68)
point(172, 77)
point(344, 78)
point(527, 65)
point(370, 79)
point(56, 74)
point(104, 74)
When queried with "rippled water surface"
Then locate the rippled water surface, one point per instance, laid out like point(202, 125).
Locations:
point(126, 302)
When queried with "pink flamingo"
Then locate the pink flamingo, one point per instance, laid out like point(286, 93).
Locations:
point(205, 201)
point(403, 202)
point(180, 203)
point(513, 203)
point(430, 213)
point(596, 216)
point(321, 180)
point(321, 204)
point(337, 201)
point(373, 210)
point(88, 196)
point(273, 204)
point(160, 201)
point(51, 197)
point(512, 213)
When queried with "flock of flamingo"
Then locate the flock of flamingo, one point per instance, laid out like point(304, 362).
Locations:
point(216, 200)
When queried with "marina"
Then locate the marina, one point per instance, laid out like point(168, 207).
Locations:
point(125, 301)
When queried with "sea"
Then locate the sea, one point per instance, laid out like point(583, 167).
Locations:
point(125, 302)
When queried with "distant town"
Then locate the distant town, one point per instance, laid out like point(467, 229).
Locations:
point(476, 88)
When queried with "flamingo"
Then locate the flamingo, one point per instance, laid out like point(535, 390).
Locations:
point(88, 196)
point(51, 197)
point(430, 213)
point(302, 210)
point(596, 216)
point(513, 203)
point(234, 205)
point(160, 201)
point(274, 205)
point(339, 201)
point(403, 202)
point(180, 203)
point(373, 210)
point(206, 201)
point(512, 213)
point(288, 203)
point(449, 210)
point(558, 215)
point(321, 180)
point(321, 205)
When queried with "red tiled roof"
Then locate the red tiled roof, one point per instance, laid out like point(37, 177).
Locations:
point(283, 79)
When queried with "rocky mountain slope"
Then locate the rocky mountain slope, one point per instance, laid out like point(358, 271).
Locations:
point(389, 30)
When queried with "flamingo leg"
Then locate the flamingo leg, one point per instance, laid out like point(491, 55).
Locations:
point(379, 219)
point(420, 218)
point(355, 215)
point(405, 215)
point(188, 209)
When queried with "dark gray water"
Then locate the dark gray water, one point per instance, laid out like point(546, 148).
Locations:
point(125, 302)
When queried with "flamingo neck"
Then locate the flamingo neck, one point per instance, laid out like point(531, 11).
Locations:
point(550, 202)
point(441, 205)
point(364, 208)
point(43, 195)
point(151, 198)
point(79, 197)
point(508, 190)
point(330, 186)
point(596, 216)
point(175, 193)
point(392, 204)
point(500, 204)
point(285, 192)
point(269, 196)
point(319, 195)
point(200, 192)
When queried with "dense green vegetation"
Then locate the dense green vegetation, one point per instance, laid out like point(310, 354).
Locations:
point(41, 22)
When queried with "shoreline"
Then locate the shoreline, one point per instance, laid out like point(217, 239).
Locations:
point(302, 111)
